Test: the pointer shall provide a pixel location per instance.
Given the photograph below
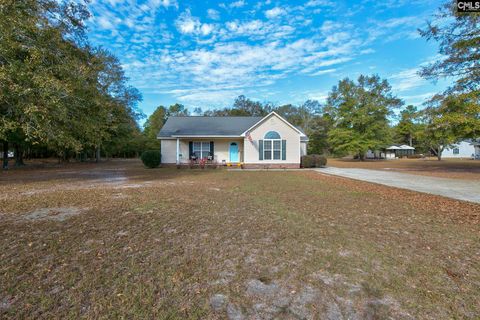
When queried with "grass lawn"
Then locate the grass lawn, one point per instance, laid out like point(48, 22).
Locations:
point(117, 240)
point(447, 168)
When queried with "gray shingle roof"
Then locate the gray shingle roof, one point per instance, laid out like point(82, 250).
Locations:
point(209, 126)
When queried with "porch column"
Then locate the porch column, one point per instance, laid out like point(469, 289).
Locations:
point(178, 151)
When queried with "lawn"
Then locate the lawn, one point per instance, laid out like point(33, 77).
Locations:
point(116, 240)
point(448, 168)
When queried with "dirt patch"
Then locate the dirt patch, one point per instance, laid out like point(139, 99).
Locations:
point(55, 214)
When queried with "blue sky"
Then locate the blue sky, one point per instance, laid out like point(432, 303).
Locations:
point(206, 53)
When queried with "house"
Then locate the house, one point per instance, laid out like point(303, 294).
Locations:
point(469, 148)
point(391, 152)
point(256, 142)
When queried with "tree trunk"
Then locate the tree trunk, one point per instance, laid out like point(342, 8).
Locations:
point(97, 155)
point(18, 156)
point(5, 155)
point(361, 156)
point(439, 153)
point(410, 142)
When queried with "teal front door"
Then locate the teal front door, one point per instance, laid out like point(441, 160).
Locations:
point(233, 152)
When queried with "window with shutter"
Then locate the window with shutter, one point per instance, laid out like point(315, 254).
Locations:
point(274, 148)
point(201, 149)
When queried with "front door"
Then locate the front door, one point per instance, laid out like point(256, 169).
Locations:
point(233, 152)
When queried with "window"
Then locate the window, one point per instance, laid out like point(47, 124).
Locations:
point(201, 149)
point(272, 146)
point(456, 151)
point(267, 149)
point(272, 135)
point(277, 149)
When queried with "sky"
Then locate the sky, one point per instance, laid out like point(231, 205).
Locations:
point(206, 53)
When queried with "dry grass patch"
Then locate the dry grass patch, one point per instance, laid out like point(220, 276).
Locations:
point(167, 243)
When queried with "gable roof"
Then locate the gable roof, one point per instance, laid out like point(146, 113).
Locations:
point(273, 113)
point(206, 126)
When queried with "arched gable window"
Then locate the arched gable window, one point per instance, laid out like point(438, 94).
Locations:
point(272, 146)
point(272, 135)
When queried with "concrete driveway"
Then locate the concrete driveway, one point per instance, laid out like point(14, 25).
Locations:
point(466, 190)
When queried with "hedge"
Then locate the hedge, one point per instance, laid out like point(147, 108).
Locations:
point(313, 161)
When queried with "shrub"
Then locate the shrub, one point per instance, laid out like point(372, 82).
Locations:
point(320, 161)
point(307, 161)
point(151, 158)
point(313, 161)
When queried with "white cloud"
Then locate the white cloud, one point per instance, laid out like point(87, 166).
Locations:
point(162, 3)
point(395, 28)
point(211, 97)
point(407, 79)
point(213, 14)
point(217, 61)
point(237, 4)
point(418, 99)
point(104, 23)
point(256, 29)
point(315, 3)
point(187, 24)
point(275, 12)
point(320, 72)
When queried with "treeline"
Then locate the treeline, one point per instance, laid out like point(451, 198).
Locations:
point(59, 96)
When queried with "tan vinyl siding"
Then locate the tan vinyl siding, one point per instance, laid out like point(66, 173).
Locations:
point(273, 123)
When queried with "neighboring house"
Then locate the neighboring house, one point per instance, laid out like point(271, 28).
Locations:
point(391, 152)
point(463, 149)
point(257, 142)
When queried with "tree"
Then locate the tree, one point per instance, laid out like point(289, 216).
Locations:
point(55, 89)
point(458, 35)
point(177, 110)
point(438, 133)
point(41, 43)
point(407, 128)
point(318, 135)
point(360, 112)
point(458, 108)
point(246, 107)
point(153, 125)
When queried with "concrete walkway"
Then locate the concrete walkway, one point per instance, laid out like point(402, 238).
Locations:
point(467, 190)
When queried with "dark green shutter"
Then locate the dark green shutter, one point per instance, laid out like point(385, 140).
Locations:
point(212, 150)
point(284, 149)
point(190, 149)
point(260, 149)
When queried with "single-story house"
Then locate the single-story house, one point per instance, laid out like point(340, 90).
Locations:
point(256, 142)
point(391, 152)
point(469, 148)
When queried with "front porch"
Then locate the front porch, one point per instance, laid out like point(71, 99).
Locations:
point(204, 151)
